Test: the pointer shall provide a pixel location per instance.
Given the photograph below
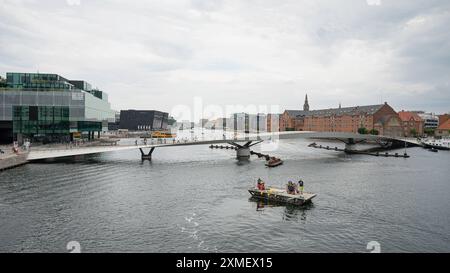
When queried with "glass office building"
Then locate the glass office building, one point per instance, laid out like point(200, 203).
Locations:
point(50, 107)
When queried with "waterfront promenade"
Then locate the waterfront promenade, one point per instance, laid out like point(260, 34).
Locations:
point(9, 159)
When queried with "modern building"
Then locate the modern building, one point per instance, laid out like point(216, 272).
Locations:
point(203, 122)
point(412, 123)
point(49, 107)
point(381, 119)
point(248, 123)
point(186, 125)
point(115, 125)
point(431, 121)
point(219, 123)
point(143, 120)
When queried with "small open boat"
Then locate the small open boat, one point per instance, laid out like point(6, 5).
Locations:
point(273, 162)
point(281, 196)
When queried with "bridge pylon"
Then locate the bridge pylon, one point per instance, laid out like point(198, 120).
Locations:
point(147, 156)
point(243, 151)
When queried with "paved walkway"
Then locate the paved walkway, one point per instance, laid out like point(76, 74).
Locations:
point(10, 160)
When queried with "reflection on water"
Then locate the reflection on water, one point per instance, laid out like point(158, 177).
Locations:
point(291, 212)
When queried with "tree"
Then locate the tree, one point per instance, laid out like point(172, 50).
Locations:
point(429, 132)
point(413, 132)
point(374, 132)
point(171, 121)
point(2, 82)
point(362, 131)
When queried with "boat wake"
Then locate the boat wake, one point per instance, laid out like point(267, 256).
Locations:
point(191, 228)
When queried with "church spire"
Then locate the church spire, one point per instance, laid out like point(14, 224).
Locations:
point(306, 105)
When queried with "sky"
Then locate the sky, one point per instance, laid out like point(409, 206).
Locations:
point(167, 54)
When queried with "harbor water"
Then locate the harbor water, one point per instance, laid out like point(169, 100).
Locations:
point(195, 199)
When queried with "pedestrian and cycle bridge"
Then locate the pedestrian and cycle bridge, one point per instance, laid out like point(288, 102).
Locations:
point(242, 144)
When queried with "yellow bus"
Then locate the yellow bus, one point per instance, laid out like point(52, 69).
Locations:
point(159, 134)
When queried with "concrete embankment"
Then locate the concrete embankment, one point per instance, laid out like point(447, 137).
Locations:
point(12, 161)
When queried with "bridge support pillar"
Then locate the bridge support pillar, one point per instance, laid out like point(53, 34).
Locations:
point(243, 153)
point(350, 147)
point(147, 156)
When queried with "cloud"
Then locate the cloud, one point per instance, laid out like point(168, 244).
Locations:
point(158, 54)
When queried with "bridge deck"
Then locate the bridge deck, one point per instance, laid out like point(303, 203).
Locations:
point(44, 153)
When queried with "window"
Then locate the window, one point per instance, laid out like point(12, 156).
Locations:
point(33, 114)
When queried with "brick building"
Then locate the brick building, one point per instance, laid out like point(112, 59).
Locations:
point(444, 129)
point(443, 118)
point(291, 120)
point(413, 125)
point(381, 118)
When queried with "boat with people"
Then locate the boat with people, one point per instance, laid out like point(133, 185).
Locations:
point(292, 195)
point(440, 144)
point(273, 162)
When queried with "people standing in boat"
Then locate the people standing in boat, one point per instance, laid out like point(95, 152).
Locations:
point(300, 186)
point(260, 185)
point(290, 187)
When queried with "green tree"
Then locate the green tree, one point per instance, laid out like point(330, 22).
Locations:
point(171, 121)
point(429, 132)
point(413, 132)
point(362, 131)
point(2, 82)
point(374, 132)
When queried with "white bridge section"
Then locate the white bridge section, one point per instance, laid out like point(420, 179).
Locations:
point(37, 153)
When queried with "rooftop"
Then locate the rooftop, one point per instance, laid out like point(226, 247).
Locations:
point(445, 125)
point(367, 109)
point(407, 116)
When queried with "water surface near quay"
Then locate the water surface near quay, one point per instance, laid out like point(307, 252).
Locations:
point(194, 199)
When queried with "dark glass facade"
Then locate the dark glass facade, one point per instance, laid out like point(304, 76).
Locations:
point(41, 120)
point(136, 120)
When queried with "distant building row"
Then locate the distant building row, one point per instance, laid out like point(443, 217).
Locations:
point(379, 119)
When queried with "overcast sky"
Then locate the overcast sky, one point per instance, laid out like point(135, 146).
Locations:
point(159, 54)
